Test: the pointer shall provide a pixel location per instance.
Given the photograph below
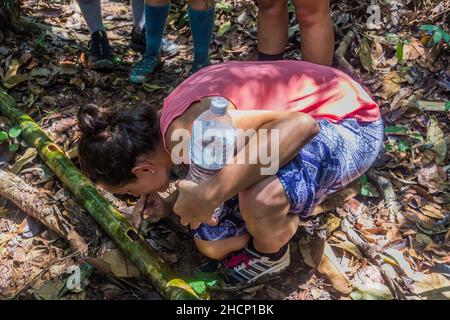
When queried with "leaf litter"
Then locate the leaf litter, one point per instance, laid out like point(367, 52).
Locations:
point(364, 248)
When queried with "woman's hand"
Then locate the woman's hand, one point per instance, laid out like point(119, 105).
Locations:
point(193, 205)
point(155, 209)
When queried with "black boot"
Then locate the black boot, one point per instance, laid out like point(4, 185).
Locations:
point(100, 56)
point(138, 41)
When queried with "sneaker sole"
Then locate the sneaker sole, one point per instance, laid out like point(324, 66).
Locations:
point(263, 278)
point(103, 64)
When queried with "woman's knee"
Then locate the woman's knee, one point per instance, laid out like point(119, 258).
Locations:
point(219, 249)
point(312, 12)
point(272, 8)
point(264, 199)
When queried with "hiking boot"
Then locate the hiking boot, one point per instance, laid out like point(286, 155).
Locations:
point(144, 69)
point(138, 41)
point(100, 56)
point(247, 267)
point(197, 66)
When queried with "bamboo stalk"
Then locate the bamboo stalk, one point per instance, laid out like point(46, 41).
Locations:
point(168, 283)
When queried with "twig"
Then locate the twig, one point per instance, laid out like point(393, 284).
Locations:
point(385, 186)
point(373, 253)
point(342, 50)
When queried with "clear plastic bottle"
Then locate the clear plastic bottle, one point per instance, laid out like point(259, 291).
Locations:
point(213, 143)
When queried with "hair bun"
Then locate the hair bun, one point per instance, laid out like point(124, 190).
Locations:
point(93, 120)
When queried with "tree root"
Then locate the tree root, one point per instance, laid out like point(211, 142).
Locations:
point(342, 50)
point(385, 186)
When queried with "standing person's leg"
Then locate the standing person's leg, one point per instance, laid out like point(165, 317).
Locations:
point(316, 30)
point(201, 20)
point(100, 56)
point(156, 13)
point(138, 32)
point(272, 29)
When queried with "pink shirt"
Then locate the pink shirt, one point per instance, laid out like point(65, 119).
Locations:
point(320, 91)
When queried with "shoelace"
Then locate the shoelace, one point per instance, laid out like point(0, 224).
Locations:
point(237, 259)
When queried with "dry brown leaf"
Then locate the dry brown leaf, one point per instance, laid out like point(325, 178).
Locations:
point(331, 268)
point(431, 176)
point(433, 286)
point(391, 84)
point(120, 266)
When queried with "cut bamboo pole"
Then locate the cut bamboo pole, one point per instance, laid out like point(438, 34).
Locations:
point(168, 283)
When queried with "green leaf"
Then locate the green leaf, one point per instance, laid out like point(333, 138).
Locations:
point(3, 136)
point(417, 136)
point(14, 132)
point(13, 147)
point(403, 146)
point(224, 6)
point(446, 37)
point(437, 36)
point(198, 286)
point(428, 28)
point(152, 87)
point(224, 28)
point(447, 106)
point(399, 51)
point(368, 190)
point(363, 179)
point(394, 129)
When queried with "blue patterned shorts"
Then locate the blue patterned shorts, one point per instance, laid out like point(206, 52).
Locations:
point(339, 154)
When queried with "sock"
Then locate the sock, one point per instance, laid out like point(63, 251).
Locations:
point(202, 24)
point(137, 8)
point(271, 256)
point(155, 22)
point(92, 14)
point(269, 57)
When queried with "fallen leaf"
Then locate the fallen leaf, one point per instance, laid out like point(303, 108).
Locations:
point(349, 247)
point(365, 56)
point(391, 84)
point(433, 286)
point(224, 28)
point(435, 136)
point(331, 268)
point(120, 266)
point(431, 176)
point(371, 291)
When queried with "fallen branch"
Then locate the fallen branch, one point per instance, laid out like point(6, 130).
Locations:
point(385, 186)
point(74, 226)
point(372, 252)
point(168, 283)
point(342, 50)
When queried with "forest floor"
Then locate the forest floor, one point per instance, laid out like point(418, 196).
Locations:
point(399, 214)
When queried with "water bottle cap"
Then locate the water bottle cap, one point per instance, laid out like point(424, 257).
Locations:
point(219, 105)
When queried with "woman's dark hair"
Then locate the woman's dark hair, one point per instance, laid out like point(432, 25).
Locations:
point(111, 141)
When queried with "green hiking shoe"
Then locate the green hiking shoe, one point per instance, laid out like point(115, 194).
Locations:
point(144, 69)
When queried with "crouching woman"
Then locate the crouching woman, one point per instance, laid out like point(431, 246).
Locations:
point(329, 133)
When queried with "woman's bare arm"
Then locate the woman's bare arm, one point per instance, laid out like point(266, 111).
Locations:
point(197, 202)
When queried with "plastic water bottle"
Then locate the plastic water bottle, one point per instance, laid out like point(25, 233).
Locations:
point(212, 143)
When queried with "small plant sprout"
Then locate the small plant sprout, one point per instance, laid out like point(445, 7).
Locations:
point(9, 136)
point(438, 35)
